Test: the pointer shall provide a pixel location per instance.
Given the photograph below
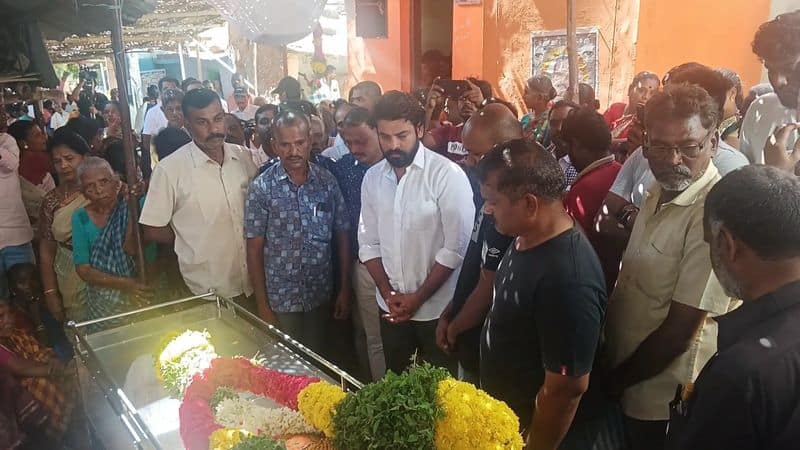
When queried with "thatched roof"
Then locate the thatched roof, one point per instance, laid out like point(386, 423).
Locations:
point(23, 56)
point(171, 21)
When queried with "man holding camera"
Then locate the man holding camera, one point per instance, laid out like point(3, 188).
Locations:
point(459, 99)
point(244, 110)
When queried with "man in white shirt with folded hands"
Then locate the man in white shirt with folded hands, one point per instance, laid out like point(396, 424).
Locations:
point(416, 220)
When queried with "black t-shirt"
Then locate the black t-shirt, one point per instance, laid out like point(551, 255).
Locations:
point(548, 308)
point(486, 248)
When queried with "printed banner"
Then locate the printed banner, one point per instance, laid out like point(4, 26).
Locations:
point(549, 56)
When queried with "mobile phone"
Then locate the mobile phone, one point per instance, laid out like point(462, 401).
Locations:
point(454, 88)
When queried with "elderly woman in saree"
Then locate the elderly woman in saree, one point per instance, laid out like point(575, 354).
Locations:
point(103, 243)
point(63, 289)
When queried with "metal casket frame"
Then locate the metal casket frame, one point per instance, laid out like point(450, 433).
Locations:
point(125, 403)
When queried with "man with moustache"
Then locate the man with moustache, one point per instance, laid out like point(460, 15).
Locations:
point(196, 201)
point(293, 213)
point(747, 396)
point(361, 137)
point(416, 217)
point(659, 329)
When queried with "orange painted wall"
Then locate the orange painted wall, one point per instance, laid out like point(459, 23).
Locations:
point(385, 61)
point(502, 49)
point(634, 35)
point(717, 33)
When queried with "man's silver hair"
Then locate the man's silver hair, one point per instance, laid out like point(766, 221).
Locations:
point(94, 162)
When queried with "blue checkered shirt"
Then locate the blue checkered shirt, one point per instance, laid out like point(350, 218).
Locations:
point(298, 224)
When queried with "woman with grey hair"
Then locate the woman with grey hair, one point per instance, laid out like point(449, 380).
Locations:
point(103, 243)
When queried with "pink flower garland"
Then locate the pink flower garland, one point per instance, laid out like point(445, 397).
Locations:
point(197, 418)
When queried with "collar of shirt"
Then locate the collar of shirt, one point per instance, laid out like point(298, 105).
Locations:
point(199, 156)
point(280, 173)
point(418, 162)
point(735, 324)
point(690, 195)
point(596, 164)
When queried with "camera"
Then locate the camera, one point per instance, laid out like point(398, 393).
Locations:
point(88, 76)
point(249, 128)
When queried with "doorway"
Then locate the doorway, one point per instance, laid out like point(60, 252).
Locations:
point(432, 32)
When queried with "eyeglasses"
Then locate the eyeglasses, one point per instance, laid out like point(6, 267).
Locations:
point(688, 151)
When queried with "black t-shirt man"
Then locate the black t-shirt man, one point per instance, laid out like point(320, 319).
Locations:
point(486, 248)
point(548, 309)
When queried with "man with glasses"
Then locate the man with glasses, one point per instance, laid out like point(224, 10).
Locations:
point(659, 330)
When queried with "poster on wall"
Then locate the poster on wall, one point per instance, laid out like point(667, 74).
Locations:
point(549, 56)
point(149, 77)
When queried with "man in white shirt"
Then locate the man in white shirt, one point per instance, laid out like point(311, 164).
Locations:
point(416, 220)
point(59, 117)
point(196, 200)
point(777, 45)
point(15, 228)
point(338, 149)
point(244, 109)
point(154, 121)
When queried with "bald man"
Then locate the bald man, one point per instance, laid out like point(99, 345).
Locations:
point(492, 125)
point(459, 326)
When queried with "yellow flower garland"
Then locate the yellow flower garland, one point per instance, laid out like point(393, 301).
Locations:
point(317, 402)
point(472, 419)
point(226, 438)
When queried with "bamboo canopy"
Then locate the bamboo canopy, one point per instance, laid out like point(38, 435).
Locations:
point(172, 21)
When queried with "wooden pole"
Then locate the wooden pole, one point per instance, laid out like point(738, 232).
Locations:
point(285, 60)
point(199, 65)
point(183, 63)
point(121, 72)
point(255, 68)
point(572, 53)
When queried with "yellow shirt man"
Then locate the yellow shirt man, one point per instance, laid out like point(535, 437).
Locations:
point(666, 260)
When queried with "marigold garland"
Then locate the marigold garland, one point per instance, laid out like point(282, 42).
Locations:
point(318, 402)
point(464, 418)
point(472, 419)
point(226, 438)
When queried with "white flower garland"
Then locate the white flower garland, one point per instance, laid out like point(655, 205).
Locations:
point(239, 413)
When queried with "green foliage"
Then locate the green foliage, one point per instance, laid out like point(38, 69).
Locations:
point(398, 412)
point(259, 443)
point(221, 394)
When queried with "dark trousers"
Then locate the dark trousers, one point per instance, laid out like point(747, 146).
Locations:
point(402, 340)
point(646, 434)
point(310, 328)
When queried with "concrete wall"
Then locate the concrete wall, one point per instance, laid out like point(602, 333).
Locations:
point(492, 40)
point(505, 49)
point(385, 61)
point(717, 33)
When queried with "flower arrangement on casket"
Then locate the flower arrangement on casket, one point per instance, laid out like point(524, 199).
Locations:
point(422, 408)
point(215, 412)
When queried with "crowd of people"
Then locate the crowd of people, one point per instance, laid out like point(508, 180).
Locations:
point(621, 280)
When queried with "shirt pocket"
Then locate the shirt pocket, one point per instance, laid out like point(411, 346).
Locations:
point(659, 267)
point(320, 209)
point(423, 216)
